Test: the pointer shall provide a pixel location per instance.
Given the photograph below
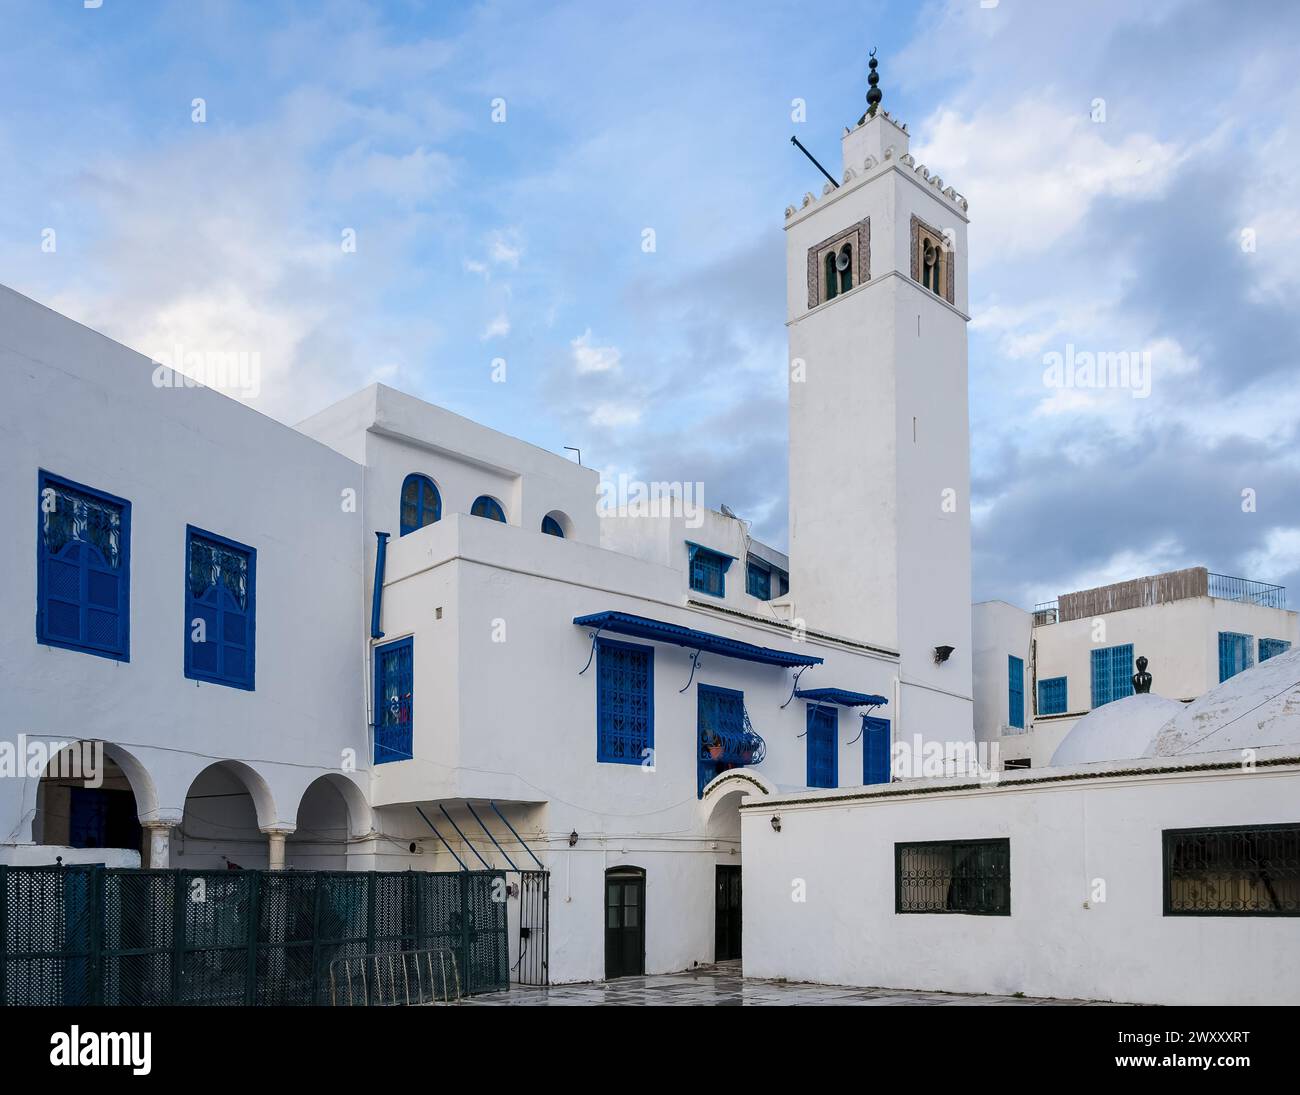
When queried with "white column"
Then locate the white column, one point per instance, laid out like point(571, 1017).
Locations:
point(160, 843)
point(275, 848)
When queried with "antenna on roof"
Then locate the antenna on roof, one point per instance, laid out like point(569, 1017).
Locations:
point(570, 448)
point(795, 141)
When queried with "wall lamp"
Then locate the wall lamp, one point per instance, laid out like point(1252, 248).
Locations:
point(776, 822)
point(942, 654)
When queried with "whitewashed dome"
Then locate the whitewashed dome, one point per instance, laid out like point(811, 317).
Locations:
point(1257, 708)
point(1120, 730)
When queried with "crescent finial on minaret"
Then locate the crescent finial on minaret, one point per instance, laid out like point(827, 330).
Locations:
point(874, 94)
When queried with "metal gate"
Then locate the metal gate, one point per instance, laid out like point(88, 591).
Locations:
point(534, 927)
point(123, 936)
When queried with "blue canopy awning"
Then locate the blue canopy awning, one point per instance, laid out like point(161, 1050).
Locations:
point(641, 627)
point(841, 696)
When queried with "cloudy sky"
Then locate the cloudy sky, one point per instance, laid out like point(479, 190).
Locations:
point(1164, 219)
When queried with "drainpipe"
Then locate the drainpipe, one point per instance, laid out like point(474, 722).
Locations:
point(377, 595)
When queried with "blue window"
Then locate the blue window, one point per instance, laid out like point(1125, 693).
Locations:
point(83, 568)
point(758, 581)
point(708, 570)
point(625, 710)
point(394, 702)
point(1112, 674)
point(1015, 691)
point(1052, 698)
point(488, 507)
point(823, 745)
point(1236, 653)
point(421, 503)
point(1270, 648)
point(220, 601)
point(552, 527)
point(720, 720)
point(875, 750)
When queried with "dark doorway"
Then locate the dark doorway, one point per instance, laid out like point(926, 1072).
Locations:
point(624, 922)
point(726, 937)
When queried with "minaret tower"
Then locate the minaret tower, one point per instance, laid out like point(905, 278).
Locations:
point(879, 436)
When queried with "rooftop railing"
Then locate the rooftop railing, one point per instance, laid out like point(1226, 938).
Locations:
point(1229, 588)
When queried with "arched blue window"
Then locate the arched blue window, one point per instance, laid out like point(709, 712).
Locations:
point(552, 527)
point(421, 503)
point(488, 507)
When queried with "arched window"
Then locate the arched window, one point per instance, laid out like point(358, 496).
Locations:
point(930, 267)
point(421, 503)
point(845, 265)
point(488, 507)
point(832, 278)
point(552, 527)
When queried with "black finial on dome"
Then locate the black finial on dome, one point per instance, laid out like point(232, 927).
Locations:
point(874, 94)
point(1141, 679)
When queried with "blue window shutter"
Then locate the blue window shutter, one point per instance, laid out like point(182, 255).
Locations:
point(875, 750)
point(1015, 691)
point(83, 568)
point(1112, 674)
point(394, 701)
point(823, 745)
point(1053, 698)
point(625, 722)
point(1271, 648)
point(708, 569)
point(552, 527)
point(720, 727)
point(221, 591)
point(421, 504)
point(1236, 653)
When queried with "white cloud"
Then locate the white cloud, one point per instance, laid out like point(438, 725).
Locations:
point(594, 359)
point(614, 415)
point(1032, 172)
point(499, 327)
point(1279, 556)
point(505, 249)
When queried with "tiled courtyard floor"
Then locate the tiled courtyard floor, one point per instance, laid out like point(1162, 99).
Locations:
point(722, 985)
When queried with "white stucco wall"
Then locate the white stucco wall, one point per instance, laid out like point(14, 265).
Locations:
point(1058, 941)
point(86, 408)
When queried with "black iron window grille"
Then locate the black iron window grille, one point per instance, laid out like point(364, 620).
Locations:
point(953, 876)
point(1246, 870)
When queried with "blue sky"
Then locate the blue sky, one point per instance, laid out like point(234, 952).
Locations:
point(522, 240)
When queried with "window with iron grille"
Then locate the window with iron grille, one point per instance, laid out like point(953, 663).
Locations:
point(489, 508)
point(1112, 674)
point(759, 581)
point(625, 725)
point(1052, 696)
point(1015, 691)
point(720, 715)
point(953, 876)
point(1236, 654)
point(823, 745)
point(394, 701)
point(83, 568)
point(708, 570)
point(1245, 870)
point(220, 603)
point(1271, 648)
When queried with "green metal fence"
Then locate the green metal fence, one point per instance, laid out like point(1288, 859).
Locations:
point(118, 936)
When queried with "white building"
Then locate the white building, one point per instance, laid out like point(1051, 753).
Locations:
point(1038, 673)
point(392, 638)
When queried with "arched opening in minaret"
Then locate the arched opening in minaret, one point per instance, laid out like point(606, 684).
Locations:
point(832, 278)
